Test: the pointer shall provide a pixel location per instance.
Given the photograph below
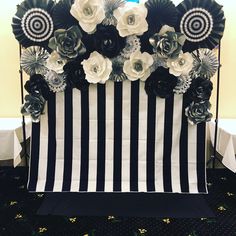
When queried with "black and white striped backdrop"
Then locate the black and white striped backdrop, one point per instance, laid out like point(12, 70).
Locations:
point(114, 138)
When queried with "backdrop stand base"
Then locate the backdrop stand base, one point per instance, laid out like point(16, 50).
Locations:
point(126, 205)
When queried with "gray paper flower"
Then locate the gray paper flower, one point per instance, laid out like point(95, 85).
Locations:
point(167, 43)
point(33, 106)
point(56, 82)
point(198, 112)
point(68, 42)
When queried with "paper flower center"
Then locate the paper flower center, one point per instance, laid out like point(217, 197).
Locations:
point(131, 19)
point(138, 66)
point(88, 11)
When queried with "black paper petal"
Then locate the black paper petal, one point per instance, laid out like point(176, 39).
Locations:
point(202, 22)
point(32, 23)
point(61, 15)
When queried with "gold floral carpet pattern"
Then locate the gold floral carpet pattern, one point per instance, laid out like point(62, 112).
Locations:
point(18, 214)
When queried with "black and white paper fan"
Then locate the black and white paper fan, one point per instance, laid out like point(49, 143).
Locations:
point(61, 15)
point(160, 12)
point(32, 23)
point(202, 22)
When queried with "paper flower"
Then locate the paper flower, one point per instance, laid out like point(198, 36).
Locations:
point(56, 63)
point(75, 76)
point(33, 106)
point(132, 45)
point(167, 43)
point(181, 65)
point(97, 68)
point(160, 83)
point(89, 13)
point(198, 112)
point(200, 90)
point(183, 84)
point(56, 82)
point(131, 19)
point(118, 74)
point(68, 42)
point(108, 41)
point(37, 85)
point(33, 60)
point(138, 66)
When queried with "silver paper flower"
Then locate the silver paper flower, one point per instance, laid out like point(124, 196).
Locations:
point(132, 45)
point(56, 82)
point(33, 106)
point(33, 60)
point(110, 6)
point(205, 63)
point(117, 73)
point(183, 84)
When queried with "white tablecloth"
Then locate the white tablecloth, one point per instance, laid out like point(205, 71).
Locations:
point(11, 137)
point(226, 141)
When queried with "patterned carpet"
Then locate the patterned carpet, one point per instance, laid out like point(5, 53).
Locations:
point(18, 214)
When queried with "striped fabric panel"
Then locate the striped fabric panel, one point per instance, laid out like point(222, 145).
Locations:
point(114, 138)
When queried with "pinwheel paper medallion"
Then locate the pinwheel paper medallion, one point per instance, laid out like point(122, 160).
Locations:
point(32, 23)
point(202, 22)
point(61, 15)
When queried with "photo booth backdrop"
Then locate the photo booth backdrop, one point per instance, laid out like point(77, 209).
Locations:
point(145, 130)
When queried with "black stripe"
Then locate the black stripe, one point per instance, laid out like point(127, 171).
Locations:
point(169, 103)
point(134, 124)
point(101, 110)
point(117, 136)
point(84, 141)
point(184, 151)
point(68, 140)
point(151, 128)
point(201, 162)
point(51, 143)
point(34, 157)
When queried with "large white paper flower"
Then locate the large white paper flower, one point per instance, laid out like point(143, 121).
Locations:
point(89, 13)
point(55, 62)
point(182, 65)
point(131, 19)
point(97, 68)
point(138, 66)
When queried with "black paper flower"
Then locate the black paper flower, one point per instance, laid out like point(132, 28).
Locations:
point(34, 106)
point(68, 42)
point(61, 15)
point(200, 90)
point(32, 23)
point(107, 41)
point(198, 112)
point(37, 85)
point(202, 22)
point(160, 83)
point(75, 76)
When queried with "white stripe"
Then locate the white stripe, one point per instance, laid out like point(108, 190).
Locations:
point(43, 152)
point(126, 109)
point(142, 145)
point(192, 158)
point(109, 136)
point(60, 129)
point(160, 123)
point(76, 161)
point(92, 169)
point(175, 153)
